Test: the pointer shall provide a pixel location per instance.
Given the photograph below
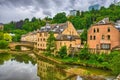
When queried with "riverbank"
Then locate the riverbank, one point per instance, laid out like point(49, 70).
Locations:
point(75, 69)
point(71, 68)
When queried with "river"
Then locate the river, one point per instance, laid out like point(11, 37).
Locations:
point(25, 67)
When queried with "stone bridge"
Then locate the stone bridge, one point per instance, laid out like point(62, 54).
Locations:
point(12, 45)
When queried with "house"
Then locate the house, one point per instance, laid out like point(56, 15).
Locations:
point(104, 35)
point(30, 37)
point(64, 33)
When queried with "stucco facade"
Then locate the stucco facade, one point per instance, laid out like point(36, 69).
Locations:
point(103, 36)
point(65, 34)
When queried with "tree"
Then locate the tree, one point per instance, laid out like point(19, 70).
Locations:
point(50, 43)
point(83, 36)
point(1, 35)
point(60, 18)
point(3, 44)
point(84, 53)
point(63, 51)
point(115, 64)
point(7, 37)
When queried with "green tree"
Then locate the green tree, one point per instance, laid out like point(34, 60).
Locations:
point(1, 35)
point(50, 43)
point(7, 37)
point(3, 44)
point(60, 18)
point(63, 51)
point(84, 53)
point(83, 36)
point(115, 64)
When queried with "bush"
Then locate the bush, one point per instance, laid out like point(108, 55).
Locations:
point(62, 52)
point(3, 44)
point(115, 64)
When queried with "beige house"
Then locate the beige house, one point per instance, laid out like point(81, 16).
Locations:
point(30, 37)
point(104, 35)
point(65, 34)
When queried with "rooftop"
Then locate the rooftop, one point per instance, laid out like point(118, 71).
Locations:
point(56, 28)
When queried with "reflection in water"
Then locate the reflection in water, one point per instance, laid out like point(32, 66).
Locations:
point(51, 71)
point(79, 78)
point(24, 67)
point(17, 67)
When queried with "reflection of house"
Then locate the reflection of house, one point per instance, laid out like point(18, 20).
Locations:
point(48, 71)
point(104, 35)
point(30, 37)
point(64, 33)
point(1, 26)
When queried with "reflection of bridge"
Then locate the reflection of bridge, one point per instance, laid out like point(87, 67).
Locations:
point(12, 45)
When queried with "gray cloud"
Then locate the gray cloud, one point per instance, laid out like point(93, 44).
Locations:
point(14, 10)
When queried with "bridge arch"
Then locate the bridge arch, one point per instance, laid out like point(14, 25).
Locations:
point(12, 45)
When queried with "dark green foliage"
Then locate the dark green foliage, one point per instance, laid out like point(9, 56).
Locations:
point(115, 62)
point(84, 53)
point(34, 24)
point(50, 43)
point(18, 34)
point(60, 18)
point(9, 27)
point(4, 57)
point(1, 35)
point(62, 52)
point(24, 58)
point(3, 44)
point(83, 36)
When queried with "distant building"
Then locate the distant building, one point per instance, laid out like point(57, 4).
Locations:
point(118, 3)
point(74, 12)
point(1, 26)
point(104, 36)
point(30, 37)
point(94, 7)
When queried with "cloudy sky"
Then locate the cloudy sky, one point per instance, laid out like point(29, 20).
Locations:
point(15, 10)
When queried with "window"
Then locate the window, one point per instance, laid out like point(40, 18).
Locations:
point(38, 44)
point(40, 34)
point(94, 38)
point(90, 37)
point(108, 37)
point(105, 46)
point(70, 45)
point(43, 39)
point(94, 30)
point(103, 37)
point(97, 29)
point(108, 29)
